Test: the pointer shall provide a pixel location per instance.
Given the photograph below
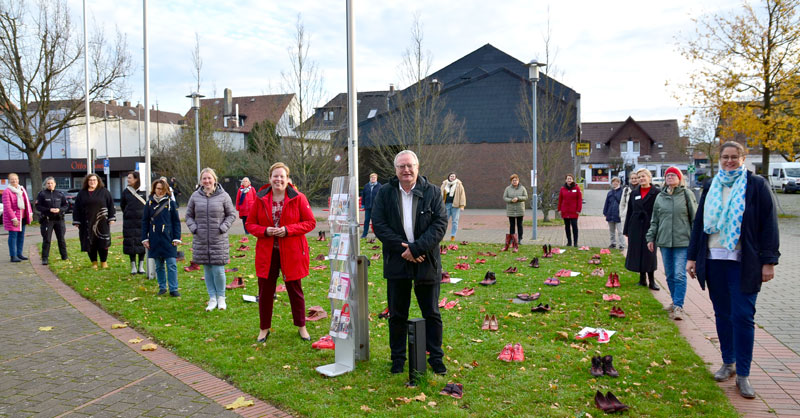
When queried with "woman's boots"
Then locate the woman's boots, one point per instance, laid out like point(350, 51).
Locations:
point(651, 277)
point(514, 243)
point(141, 267)
point(508, 242)
point(133, 267)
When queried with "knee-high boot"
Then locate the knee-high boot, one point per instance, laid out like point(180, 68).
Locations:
point(508, 242)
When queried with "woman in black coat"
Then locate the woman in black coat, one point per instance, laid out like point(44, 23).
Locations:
point(132, 204)
point(637, 222)
point(161, 234)
point(93, 215)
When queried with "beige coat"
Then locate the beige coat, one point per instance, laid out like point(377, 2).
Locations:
point(459, 196)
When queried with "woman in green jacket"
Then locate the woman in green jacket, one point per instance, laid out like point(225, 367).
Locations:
point(515, 196)
point(670, 230)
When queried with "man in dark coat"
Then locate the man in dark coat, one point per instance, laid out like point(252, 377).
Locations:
point(367, 198)
point(409, 218)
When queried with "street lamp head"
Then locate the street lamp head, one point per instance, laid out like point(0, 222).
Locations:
point(533, 69)
point(195, 99)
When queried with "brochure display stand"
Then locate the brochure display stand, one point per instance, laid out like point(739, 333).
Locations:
point(348, 285)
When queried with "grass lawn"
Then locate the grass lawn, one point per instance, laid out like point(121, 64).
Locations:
point(660, 375)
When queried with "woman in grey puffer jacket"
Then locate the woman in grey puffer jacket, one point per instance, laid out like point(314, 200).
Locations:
point(209, 215)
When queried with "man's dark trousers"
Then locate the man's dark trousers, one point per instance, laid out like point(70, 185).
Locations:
point(399, 294)
point(47, 227)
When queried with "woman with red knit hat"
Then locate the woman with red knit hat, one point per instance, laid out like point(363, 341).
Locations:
point(670, 230)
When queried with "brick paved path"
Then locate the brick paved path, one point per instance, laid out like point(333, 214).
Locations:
point(82, 367)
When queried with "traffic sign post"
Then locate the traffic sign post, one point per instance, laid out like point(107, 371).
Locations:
point(582, 149)
point(106, 167)
point(691, 169)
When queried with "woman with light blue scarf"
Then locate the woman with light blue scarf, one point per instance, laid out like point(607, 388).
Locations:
point(733, 250)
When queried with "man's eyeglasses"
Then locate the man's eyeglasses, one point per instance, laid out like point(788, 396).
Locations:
point(405, 166)
point(729, 157)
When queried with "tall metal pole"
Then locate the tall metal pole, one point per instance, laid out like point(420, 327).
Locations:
point(534, 176)
point(105, 130)
point(197, 138)
point(86, 91)
point(148, 167)
point(352, 119)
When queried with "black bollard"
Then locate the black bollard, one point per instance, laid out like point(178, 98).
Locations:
point(416, 350)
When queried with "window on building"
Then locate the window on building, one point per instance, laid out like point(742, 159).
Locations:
point(660, 145)
point(324, 115)
point(600, 175)
point(623, 147)
point(330, 115)
point(62, 183)
point(372, 113)
point(599, 145)
point(291, 121)
point(635, 146)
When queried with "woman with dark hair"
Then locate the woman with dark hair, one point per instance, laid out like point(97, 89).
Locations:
point(132, 205)
point(637, 222)
point(570, 203)
point(161, 234)
point(280, 220)
point(733, 250)
point(515, 196)
point(94, 213)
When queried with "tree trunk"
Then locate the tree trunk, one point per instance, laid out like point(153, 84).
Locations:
point(764, 161)
point(35, 166)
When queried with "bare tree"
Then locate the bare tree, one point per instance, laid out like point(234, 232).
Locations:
point(41, 79)
point(197, 61)
point(419, 119)
point(556, 127)
point(310, 159)
point(702, 132)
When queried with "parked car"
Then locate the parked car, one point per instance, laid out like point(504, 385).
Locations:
point(785, 176)
point(658, 181)
point(70, 194)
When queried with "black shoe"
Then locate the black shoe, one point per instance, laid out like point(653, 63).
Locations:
point(438, 367)
point(15, 260)
point(174, 293)
point(263, 340)
point(64, 258)
point(653, 285)
point(397, 366)
point(162, 292)
point(22, 257)
point(45, 262)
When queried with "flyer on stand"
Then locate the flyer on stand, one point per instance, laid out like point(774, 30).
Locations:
point(344, 247)
point(334, 249)
point(343, 286)
point(333, 289)
point(334, 330)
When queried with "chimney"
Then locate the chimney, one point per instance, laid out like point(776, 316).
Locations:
point(436, 86)
point(126, 103)
point(139, 106)
point(391, 88)
point(112, 102)
point(228, 108)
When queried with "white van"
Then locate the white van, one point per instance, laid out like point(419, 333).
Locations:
point(785, 176)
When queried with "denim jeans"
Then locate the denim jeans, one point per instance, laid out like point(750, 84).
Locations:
point(674, 259)
point(215, 280)
point(171, 275)
point(16, 242)
point(453, 213)
point(367, 216)
point(735, 313)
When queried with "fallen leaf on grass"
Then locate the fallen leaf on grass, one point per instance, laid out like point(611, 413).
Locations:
point(365, 408)
point(667, 361)
point(421, 397)
point(515, 314)
point(348, 387)
point(654, 364)
point(45, 328)
point(118, 326)
point(562, 335)
point(132, 299)
point(135, 340)
point(432, 404)
point(286, 366)
point(149, 347)
point(239, 403)
point(476, 340)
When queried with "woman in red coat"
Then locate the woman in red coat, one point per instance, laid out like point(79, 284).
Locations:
point(570, 203)
point(280, 219)
point(245, 198)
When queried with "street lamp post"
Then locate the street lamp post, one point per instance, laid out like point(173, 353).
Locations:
point(105, 129)
point(196, 106)
point(533, 75)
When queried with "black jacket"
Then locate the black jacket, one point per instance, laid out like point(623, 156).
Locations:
point(132, 212)
point(47, 200)
point(368, 197)
point(430, 223)
point(93, 211)
point(611, 207)
point(759, 239)
point(637, 223)
point(162, 229)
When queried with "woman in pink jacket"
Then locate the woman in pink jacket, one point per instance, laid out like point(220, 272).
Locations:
point(17, 213)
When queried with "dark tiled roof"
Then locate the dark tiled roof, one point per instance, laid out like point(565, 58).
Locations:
point(655, 132)
point(484, 89)
point(117, 110)
point(367, 102)
point(252, 109)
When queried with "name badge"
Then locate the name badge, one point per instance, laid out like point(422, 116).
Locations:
point(637, 197)
point(574, 190)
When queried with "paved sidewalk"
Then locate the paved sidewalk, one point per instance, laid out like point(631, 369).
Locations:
point(83, 368)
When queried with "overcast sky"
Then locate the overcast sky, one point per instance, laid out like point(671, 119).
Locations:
point(618, 55)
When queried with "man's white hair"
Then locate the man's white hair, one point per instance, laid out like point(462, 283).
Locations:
point(406, 151)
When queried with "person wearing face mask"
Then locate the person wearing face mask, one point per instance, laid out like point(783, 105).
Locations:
point(94, 214)
point(244, 201)
point(670, 228)
point(132, 204)
point(733, 250)
point(611, 212)
point(570, 203)
point(637, 223)
point(17, 213)
point(209, 216)
point(51, 205)
point(161, 235)
point(280, 219)
point(455, 200)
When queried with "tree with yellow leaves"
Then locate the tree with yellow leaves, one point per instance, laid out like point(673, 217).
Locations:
point(747, 66)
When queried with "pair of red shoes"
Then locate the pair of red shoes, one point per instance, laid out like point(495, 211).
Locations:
point(236, 283)
point(547, 251)
point(243, 248)
point(521, 259)
point(599, 272)
point(552, 281)
point(467, 291)
point(488, 253)
point(452, 247)
point(480, 261)
point(384, 314)
point(376, 256)
point(455, 390)
point(315, 313)
point(608, 402)
point(602, 335)
point(442, 249)
point(191, 267)
point(490, 323)
point(528, 297)
point(375, 247)
point(462, 257)
point(324, 343)
point(512, 353)
point(244, 240)
point(511, 269)
point(613, 280)
point(616, 312)
point(611, 297)
point(461, 266)
point(605, 251)
point(320, 257)
point(319, 267)
point(563, 273)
